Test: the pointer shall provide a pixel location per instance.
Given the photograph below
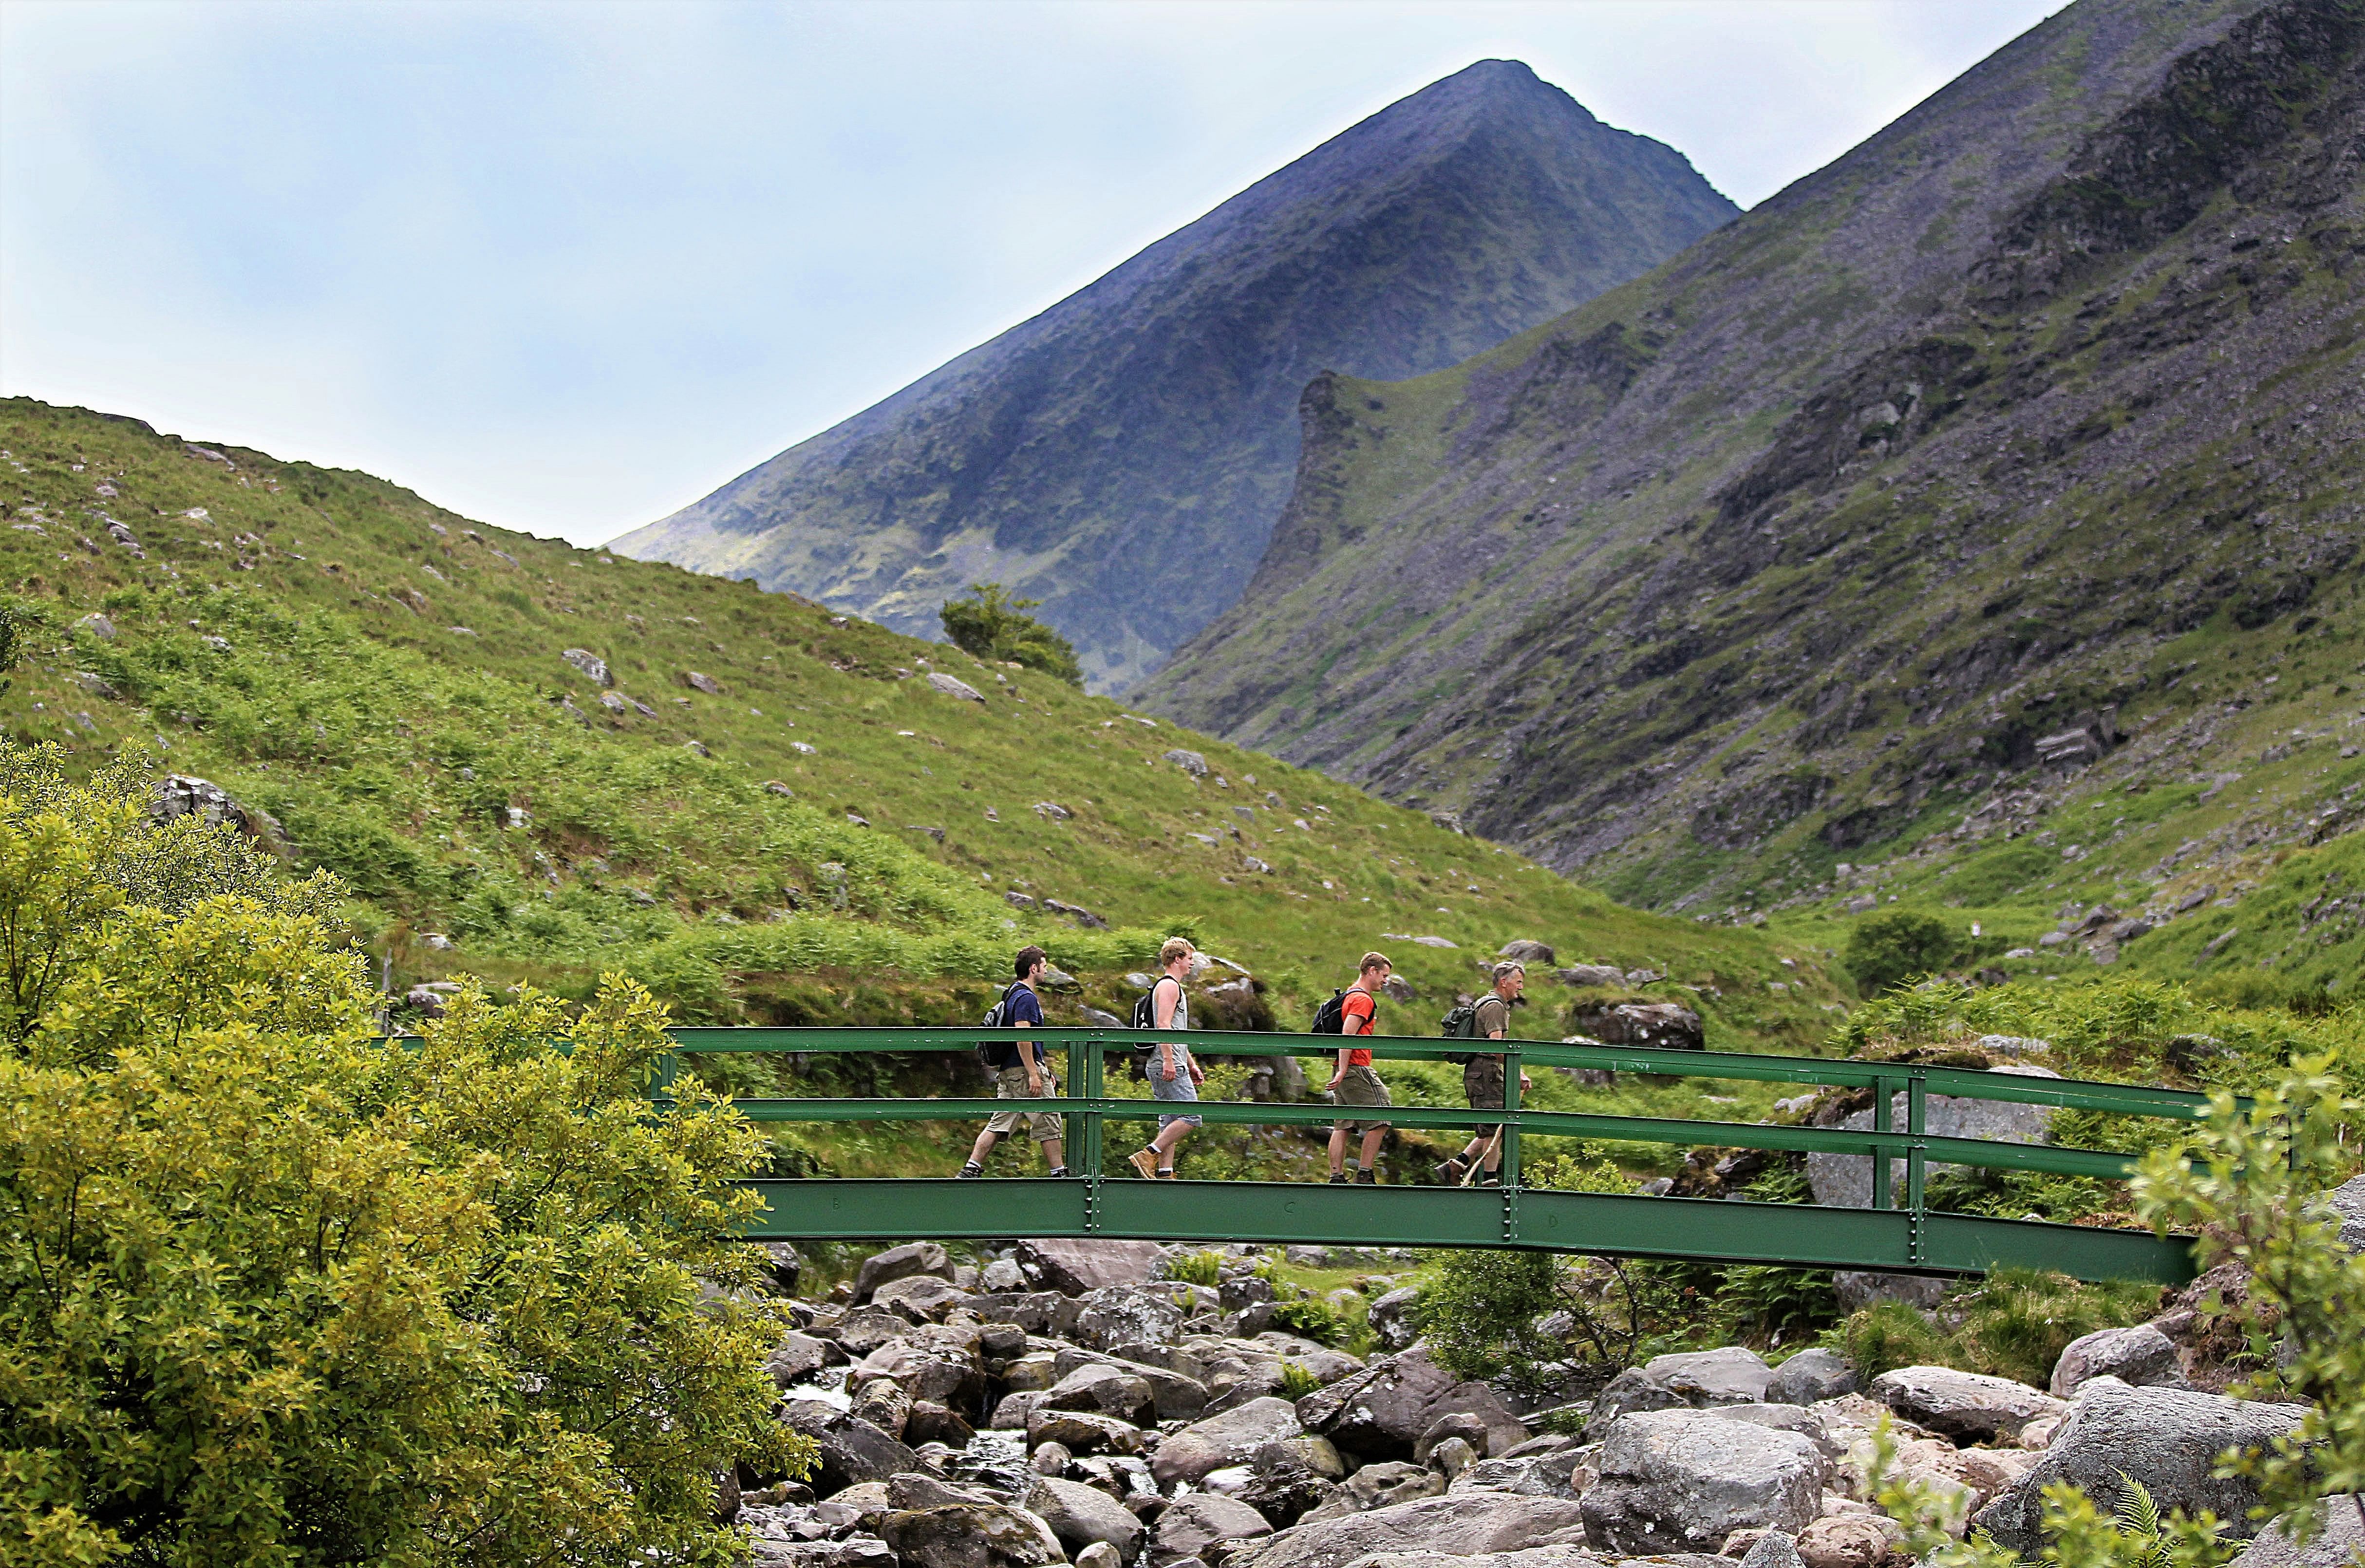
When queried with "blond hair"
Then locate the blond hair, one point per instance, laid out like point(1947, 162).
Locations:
point(1175, 948)
point(1373, 961)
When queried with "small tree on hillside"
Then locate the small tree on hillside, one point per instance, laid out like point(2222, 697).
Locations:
point(1886, 949)
point(990, 624)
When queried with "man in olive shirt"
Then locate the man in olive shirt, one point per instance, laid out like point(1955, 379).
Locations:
point(1483, 1080)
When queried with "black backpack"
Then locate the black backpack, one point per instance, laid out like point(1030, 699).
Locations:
point(1331, 1018)
point(1145, 1012)
point(996, 1055)
point(1462, 1023)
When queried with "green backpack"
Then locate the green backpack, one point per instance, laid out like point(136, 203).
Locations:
point(1462, 1023)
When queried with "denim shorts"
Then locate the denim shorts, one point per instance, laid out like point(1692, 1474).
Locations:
point(1178, 1087)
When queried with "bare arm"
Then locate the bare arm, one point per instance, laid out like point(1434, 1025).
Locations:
point(1161, 1013)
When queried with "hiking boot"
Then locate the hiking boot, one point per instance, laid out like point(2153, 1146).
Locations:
point(1145, 1162)
point(1059, 1172)
point(1338, 1178)
point(1490, 1179)
point(1167, 1174)
point(1448, 1173)
point(970, 1171)
point(1367, 1178)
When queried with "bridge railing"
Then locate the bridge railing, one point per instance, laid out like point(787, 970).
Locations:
point(1089, 1108)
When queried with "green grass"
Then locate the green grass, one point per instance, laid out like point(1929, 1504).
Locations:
point(698, 845)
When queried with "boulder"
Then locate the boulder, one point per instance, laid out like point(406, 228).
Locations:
point(593, 667)
point(1857, 1289)
point(932, 1423)
point(852, 1450)
point(2347, 1203)
point(969, 1535)
point(1782, 1419)
point(1849, 1540)
point(2141, 1356)
point(798, 1357)
point(1179, 1397)
point(1196, 1522)
point(861, 1333)
point(1665, 1024)
point(886, 1405)
point(1845, 1179)
point(1591, 974)
point(923, 1298)
point(1391, 1317)
point(1812, 1376)
point(1292, 1477)
point(1117, 1316)
point(1523, 951)
point(2339, 1541)
point(183, 795)
point(1037, 1312)
point(1082, 1431)
point(2169, 1438)
point(1459, 1424)
point(1462, 1525)
point(1107, 1389)
point(1190, 762)
point(1772, 1549)
point(1685, 1480)
point(1967, 1407)
point(901, 1264)
point(1729, 1375)
point(1011, 1411)
point(1080, 1514)
point(952, 687)
point(1227, 1439)
point(1099, 1554)
point(1381, 1411)
point(1074, 1266)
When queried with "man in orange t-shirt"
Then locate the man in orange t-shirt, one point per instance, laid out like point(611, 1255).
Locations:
point(1355, 1083)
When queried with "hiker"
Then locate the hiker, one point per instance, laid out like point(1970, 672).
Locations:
point(1481, 1081)
point(1353, 1081)
point(1172, 1074)
point(1022, 1070)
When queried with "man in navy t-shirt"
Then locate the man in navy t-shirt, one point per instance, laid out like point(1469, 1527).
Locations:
point(1024, 1071)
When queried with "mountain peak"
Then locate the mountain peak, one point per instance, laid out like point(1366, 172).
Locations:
point(1151, 417)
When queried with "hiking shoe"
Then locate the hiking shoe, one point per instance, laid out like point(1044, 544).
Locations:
point(1167, 1174)
point(1448, 1173)
point(1338, 1178)
point(1144, 1161)
point(1367, 1178)
point(1058, 1171)
point(968, 1171)
point(1491, 1179)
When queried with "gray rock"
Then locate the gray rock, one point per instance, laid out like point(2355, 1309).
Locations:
point(1683, 1480)
point(798, 1357)
point(952, 687)
point(1131, 1315)
point(932, 1423)
point(1591, 974)
point(1857, 1289)
point(2168, 1438)
point(1458, 1525)
point(1179, 1397)
point(183, 795)
point(1809, 1376)
point(97, 625)
point(1196, 1522)
point(1782, 1419)
point(1227, 1439)
point(1523, 951)
point(593, 667)
point(1774, 1548)
point(1109, 1390)
point(698, 682)
point(1080, 1514)
point(1729, 1376)
point(1082, 1431)
point(901, 1264)
point(1381, 1411)
point(2339, 1540)
point(852, 1450)
point(1967, 1407)
point(1390, 1315)
point(1038, 1312)
point(1845, 1180)
point(1456, 1424)
point(1011, 1412)
point(923, 1298)
point(2348, 1204)
point(1190, 762)
point(1074, 1267)
point(1099, 1554)
point(2141, 1356)
point(969, 1535)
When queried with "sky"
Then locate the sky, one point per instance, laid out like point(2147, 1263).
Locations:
point(568, 267)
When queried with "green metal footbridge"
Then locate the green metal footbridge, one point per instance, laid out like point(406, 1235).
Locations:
point(1899, 1233)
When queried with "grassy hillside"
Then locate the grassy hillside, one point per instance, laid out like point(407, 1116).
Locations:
point(824, 836)
point(1983, 507)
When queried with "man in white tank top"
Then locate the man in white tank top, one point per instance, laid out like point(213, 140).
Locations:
point(1172, 1074)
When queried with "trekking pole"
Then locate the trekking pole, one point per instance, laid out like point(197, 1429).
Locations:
point(1493, 1145)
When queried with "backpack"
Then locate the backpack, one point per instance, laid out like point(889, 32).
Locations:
point(995, 1055)
point(1331, 1018)
point(1462, 1023)
point(1145, 1012)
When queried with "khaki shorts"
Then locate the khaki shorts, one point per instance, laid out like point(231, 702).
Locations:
point(1010, 1084)
point(1361, 1086)
point(1481, 1081)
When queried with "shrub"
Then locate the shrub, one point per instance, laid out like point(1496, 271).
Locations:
point(990, 624)
point(1887, 1335)
point(1311, 1319)
point(1296, 1382)
point(275, 1291)
point(1195, 1268)
point(1886, 949)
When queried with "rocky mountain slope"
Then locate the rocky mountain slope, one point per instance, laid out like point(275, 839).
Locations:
point(1122, 455)
point(2014, 456)
point(532, 762)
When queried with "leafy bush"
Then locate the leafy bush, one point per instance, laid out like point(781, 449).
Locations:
point(275, 1291)
point(2017, 1322)
point(1296, 1382)
point(1479, 1308)
point(1887, 949)
point(1195, 1268)
point(1887, 1335)
point(990, 624)
point(1311, 1319)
